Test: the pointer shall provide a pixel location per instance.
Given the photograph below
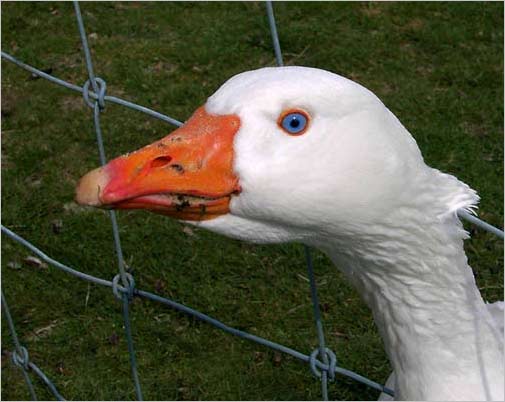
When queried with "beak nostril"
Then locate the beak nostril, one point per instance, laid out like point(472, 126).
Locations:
point(160, 161)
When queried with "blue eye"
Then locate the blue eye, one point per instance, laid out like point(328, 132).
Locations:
point(294, 122)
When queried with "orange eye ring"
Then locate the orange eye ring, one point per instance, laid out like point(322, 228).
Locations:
point(294, 122)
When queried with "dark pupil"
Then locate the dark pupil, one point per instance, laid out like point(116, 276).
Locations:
point(294, 123)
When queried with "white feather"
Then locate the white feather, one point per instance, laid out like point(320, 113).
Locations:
point(355, 185)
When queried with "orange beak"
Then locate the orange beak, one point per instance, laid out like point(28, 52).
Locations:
point(187, 175)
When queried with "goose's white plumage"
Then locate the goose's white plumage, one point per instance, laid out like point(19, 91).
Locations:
point(355, 185)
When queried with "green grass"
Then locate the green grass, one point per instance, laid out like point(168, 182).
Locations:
point(437, 66)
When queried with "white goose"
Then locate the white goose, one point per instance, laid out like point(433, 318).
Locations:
point(300, 154)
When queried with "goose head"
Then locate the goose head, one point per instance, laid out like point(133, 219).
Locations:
point(300, 154)
point(276, 154)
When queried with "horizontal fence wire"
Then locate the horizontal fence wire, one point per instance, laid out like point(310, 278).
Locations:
point(96, 99)
point(92, 94)
point(46, 381)
point(189, 311)
point(480, 223)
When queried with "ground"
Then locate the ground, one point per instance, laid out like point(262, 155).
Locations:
point(437, 66)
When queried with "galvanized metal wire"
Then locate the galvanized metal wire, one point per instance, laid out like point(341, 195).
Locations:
point(99, 87)
point(317, 364)
point(322, 361)
point(20, 354)
point(326, 354)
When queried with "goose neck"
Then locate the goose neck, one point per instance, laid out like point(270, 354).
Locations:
point(436, 329)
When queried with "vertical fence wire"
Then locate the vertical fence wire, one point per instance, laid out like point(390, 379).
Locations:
point(275, 36)
point(319, 324)
point(20, 354)
point(99, 87)
point(323, 352)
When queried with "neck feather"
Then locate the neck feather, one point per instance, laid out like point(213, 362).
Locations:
point(413, 273)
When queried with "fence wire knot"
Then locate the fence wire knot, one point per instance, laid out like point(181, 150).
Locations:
point(100, 96)
point(20, 361)
point(116, 289)
point(332, 358)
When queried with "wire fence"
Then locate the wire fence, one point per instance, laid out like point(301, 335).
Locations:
point(322, 360)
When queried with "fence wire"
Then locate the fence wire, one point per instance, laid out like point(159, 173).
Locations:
point(326, 354)
point(123, 284)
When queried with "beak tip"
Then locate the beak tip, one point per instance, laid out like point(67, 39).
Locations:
point(89, 188)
